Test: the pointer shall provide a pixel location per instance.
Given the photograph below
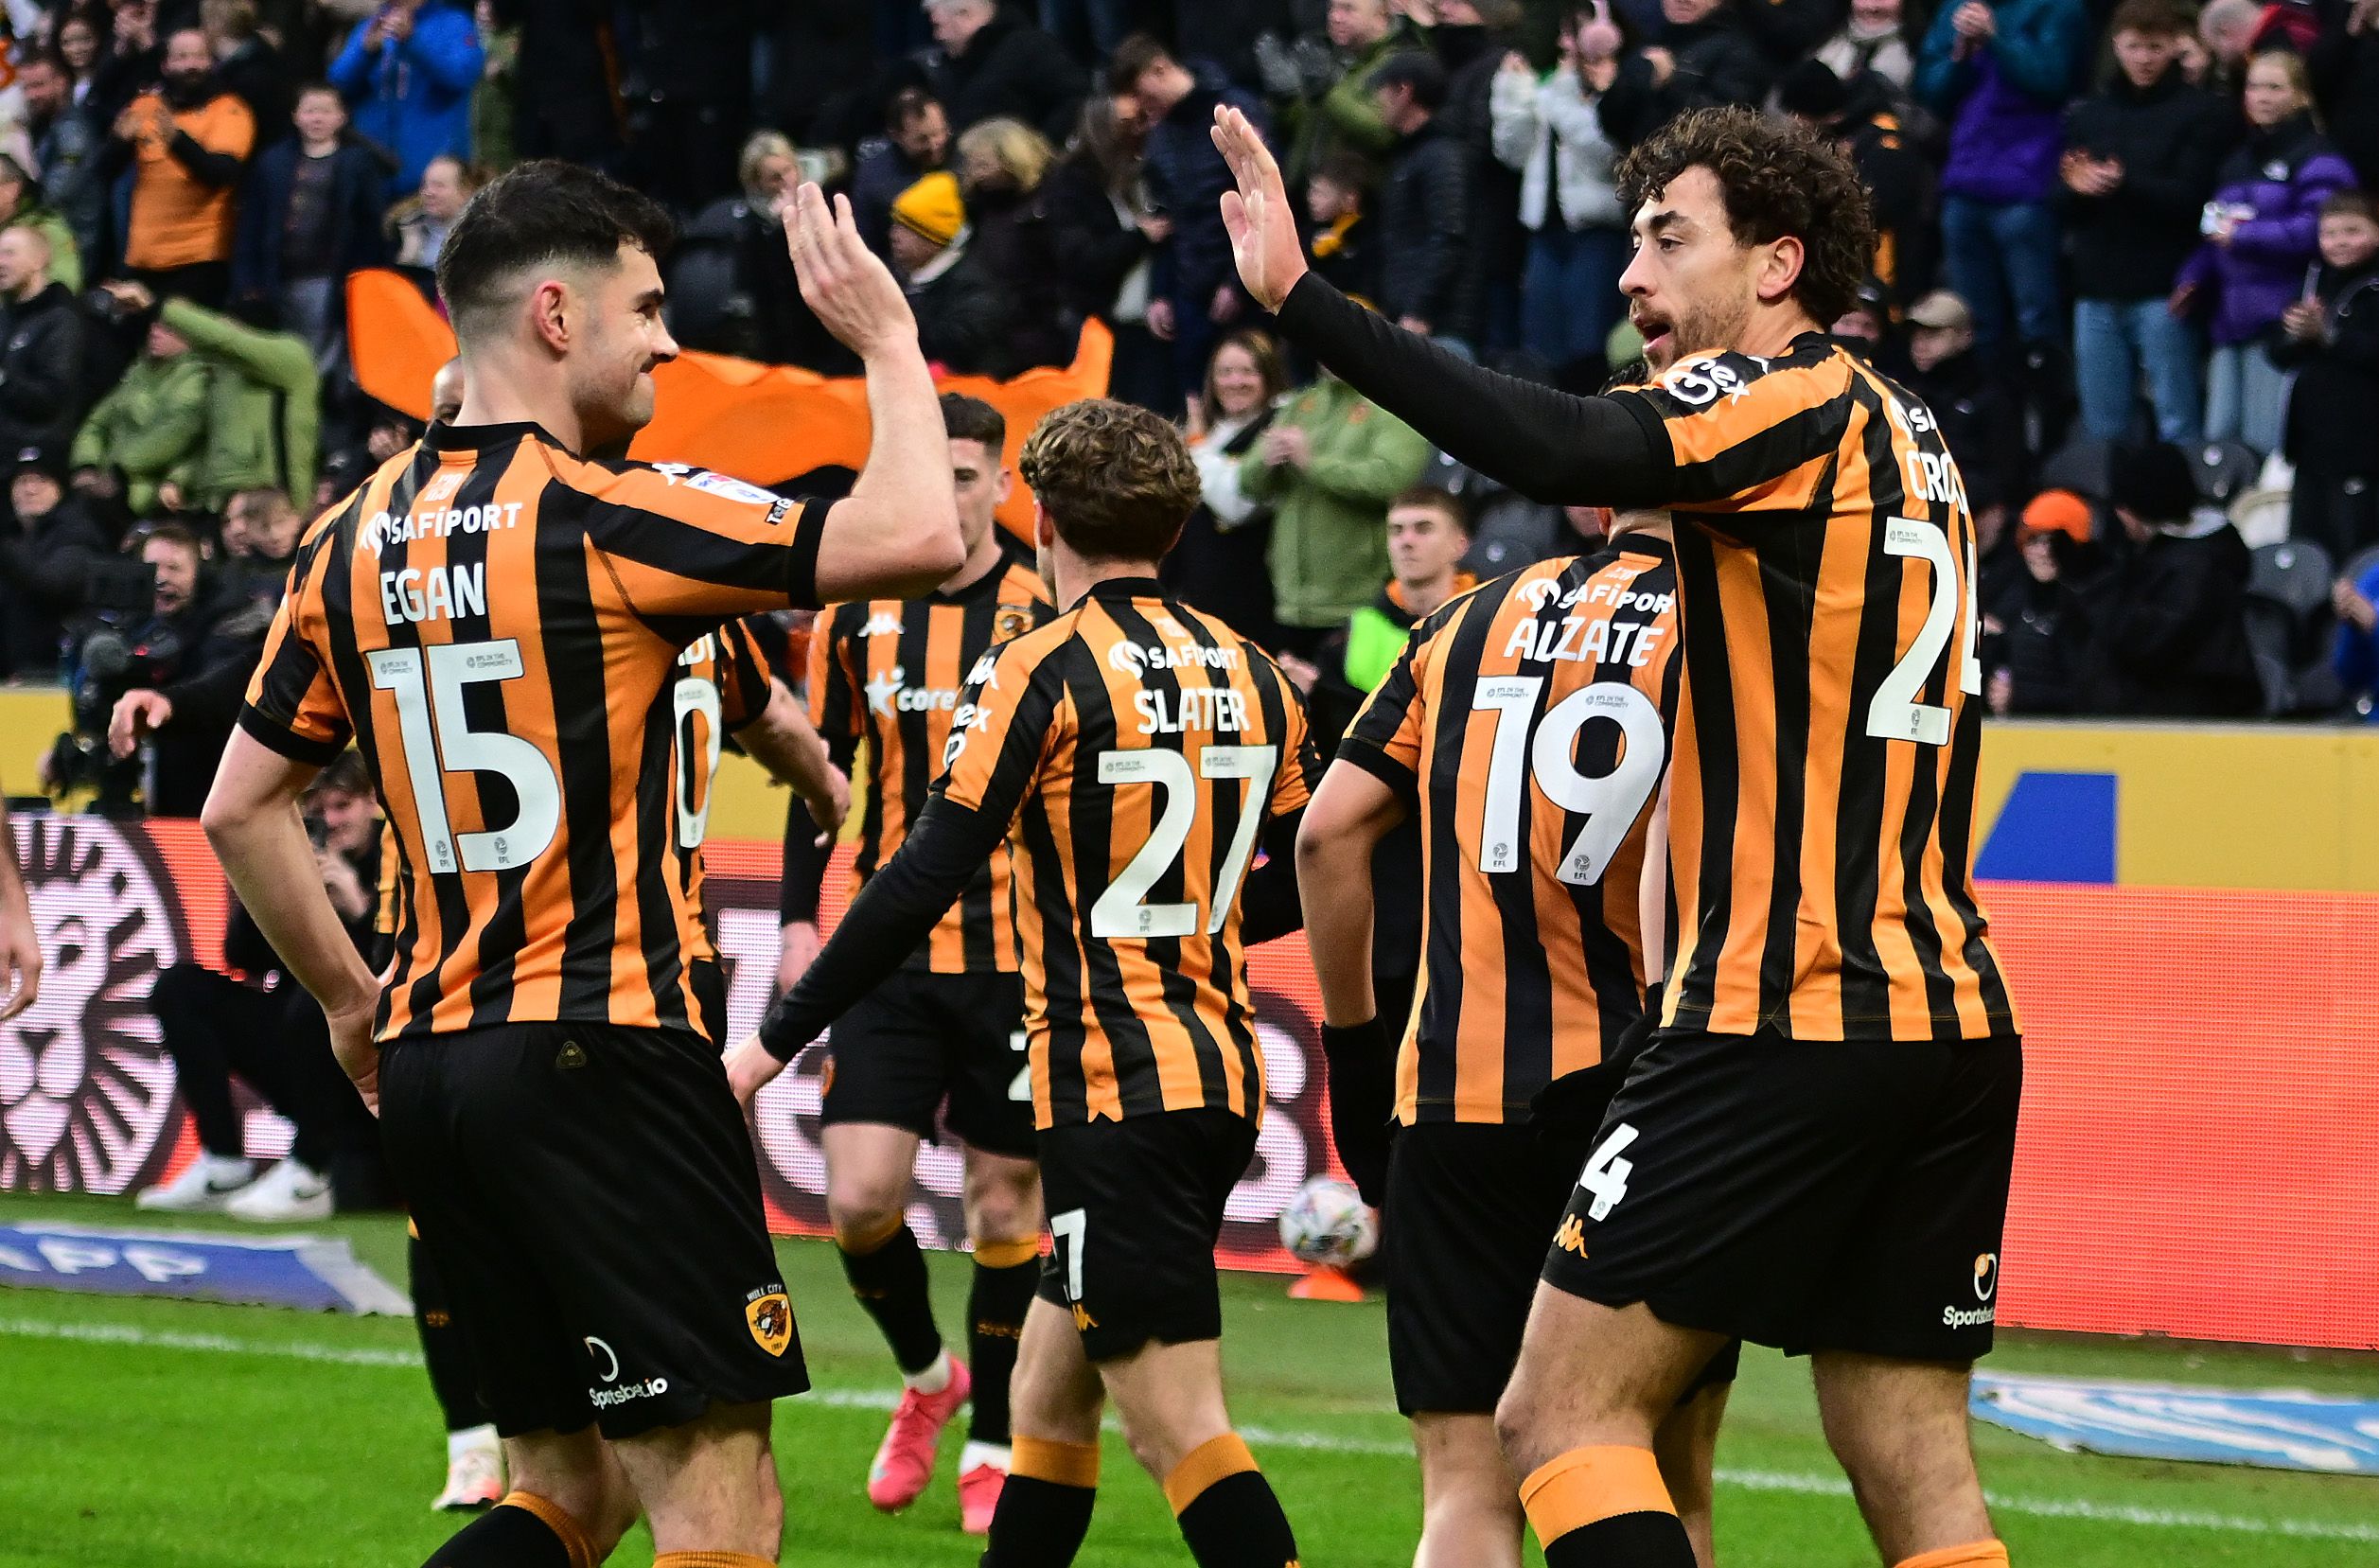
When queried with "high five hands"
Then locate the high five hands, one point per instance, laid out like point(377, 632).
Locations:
point(1263, 225)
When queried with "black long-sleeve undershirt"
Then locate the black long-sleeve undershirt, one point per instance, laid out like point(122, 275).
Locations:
point(1548, 445)
point(897, 910)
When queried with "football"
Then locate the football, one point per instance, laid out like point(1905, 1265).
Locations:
point(1327, 1223)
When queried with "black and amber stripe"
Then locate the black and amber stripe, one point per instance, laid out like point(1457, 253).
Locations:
point(1137, 999)
point(1531, 967)
point(885, 677)
point(1822, 828)
point(568, 590)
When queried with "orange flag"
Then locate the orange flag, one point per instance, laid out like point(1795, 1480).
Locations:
point(764, 423)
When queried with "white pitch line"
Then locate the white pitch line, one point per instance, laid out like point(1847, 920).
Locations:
point(1320, 1442)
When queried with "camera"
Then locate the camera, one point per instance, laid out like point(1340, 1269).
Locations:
point(114, 658)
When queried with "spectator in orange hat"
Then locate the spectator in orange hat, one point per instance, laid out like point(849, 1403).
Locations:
point(2032, 620)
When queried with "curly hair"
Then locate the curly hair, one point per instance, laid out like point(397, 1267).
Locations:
point(1116, 481)
point(1778, 179)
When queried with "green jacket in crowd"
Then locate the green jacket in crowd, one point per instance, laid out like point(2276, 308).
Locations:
point(1345, 117)
point(1329, 518)
point(263, 418)
point(151, 428)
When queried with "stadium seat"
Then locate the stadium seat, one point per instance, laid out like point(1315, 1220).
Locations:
point(2287, 608)
point(2083, 466)
point(2225, 470)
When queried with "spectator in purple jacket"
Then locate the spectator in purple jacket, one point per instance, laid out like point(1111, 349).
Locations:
point(2262, 230)
point(2001, 71)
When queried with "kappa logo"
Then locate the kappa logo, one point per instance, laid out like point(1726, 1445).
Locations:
point(1084, 1322)
point(769, 1312)
point(882, 623)
point(1572, 1236)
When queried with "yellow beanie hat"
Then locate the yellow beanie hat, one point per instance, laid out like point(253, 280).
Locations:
point(931, 207)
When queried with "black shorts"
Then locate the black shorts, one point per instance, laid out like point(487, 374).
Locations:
point(1134, 1209)
point(1813, 1195)
point(1471, 1208)
point(919, 1039)
point(590, 1195)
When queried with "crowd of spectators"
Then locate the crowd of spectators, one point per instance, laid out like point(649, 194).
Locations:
point(2118, 244)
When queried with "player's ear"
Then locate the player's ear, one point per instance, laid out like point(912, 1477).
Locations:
point(1044, 531)
point(549, 312)
point(1003, 481)
point(1780, 264)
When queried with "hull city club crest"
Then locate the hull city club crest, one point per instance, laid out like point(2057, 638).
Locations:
point(770, 1313)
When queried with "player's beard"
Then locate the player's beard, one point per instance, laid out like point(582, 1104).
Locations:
point(1706, 329)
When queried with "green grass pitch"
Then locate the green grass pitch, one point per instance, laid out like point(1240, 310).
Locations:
point(171, 1435)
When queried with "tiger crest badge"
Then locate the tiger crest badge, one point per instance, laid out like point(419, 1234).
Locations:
point(769, 1312)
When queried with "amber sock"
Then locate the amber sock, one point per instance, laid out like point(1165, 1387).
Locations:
point(1976, 1554)
point(1605, 1507)
point(523, 1531)
point(1226, 1511)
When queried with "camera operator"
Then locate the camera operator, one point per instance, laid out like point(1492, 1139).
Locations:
point(46, 563)
point(269, 1034)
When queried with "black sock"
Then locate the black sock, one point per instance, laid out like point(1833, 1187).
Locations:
point(453, 1376)
point(890, 1283)
point(1648, 1539)
point(1039, 1523)
point(996, 1304)
point(506, 1535)
point(1237, 1523)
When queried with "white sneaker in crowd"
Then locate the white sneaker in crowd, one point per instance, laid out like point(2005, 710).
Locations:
point(287, 1192)
point(474, 1470)
point(207, 1183)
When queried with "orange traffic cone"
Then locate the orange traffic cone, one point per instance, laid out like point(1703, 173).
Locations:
point(1324, 1283)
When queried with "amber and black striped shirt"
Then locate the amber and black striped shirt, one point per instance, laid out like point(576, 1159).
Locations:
point(498, 625)
point(1527, 727)
point(887, 674)
point(1135, 754)
point(1823, 790)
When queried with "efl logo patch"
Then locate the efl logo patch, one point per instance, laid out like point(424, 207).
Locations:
point(770, 1313)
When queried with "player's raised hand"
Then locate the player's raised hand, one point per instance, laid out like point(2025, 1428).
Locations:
point(749, 1069)
point(1262, 223)
point(854, 293)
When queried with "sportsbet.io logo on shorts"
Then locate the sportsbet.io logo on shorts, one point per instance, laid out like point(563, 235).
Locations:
point(1985, 1290)
point(606, 1366)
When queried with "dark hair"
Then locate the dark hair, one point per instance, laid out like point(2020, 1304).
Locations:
point(1133, 59)
point(1270, 368)
point(2352, 203)
point(50, 58)
point(906, 107)
point(1812, 91)
point(1778, 180)
point(306, 90)
point(2156, 18)
point(345, 774)
point(1347, 170)
point(1416, 69)
point(1116, 480)
point(543, 212)
point(1442, 502)
point(2153, 480)
point(965, 418)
